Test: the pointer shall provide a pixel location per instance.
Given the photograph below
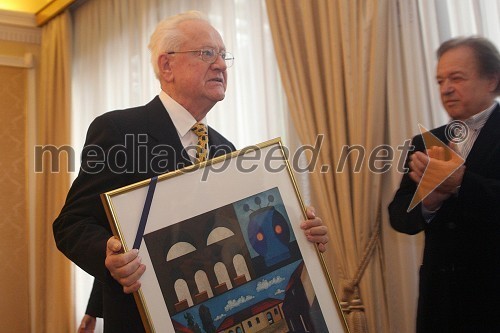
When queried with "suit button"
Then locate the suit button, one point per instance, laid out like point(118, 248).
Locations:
point(451, 225)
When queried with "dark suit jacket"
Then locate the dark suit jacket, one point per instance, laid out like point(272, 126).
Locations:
point(122, 147)
point(460, 273)
point(94, 305)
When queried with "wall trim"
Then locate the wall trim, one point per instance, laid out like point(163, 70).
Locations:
point(19, 27)
point(24, 62)
point(31, 185)
point(17, 18)
point(20, 34)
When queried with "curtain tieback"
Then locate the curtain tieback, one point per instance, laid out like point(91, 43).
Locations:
point(351, 303)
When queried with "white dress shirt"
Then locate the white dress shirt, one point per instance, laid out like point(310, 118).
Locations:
point(183, 121)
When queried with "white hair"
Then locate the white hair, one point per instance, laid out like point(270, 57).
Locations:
point(167, 36)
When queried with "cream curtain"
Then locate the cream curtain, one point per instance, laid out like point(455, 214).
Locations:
point(412, 99)
point(54, 304)
point(332, 58)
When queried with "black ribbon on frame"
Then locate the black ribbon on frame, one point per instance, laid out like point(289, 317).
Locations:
point(145, 213)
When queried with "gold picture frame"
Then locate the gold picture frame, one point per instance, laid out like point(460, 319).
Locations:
point(223, 248)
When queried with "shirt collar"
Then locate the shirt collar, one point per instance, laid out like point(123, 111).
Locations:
point(182, 119)
point(478, 120)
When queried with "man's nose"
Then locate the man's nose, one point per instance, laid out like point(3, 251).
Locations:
point(446, 87)
point(220, 63)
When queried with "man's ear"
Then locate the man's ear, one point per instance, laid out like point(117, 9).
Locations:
point(495, 83)
point(164, 67)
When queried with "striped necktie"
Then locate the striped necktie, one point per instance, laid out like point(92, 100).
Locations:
point(202, 148)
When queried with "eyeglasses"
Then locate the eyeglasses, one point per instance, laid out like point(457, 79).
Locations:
point(210, 55)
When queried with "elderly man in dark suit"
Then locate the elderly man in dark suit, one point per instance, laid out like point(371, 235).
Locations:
point(126, 146)
point(460, 273)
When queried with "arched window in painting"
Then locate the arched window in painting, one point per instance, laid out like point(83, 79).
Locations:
point(270, 318)
point(179, 249)
point(182, 291)
point(222, 275)
point(240, 266)
point(201, 279)
point(218, 234)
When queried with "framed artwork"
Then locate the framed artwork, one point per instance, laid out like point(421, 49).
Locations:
point(223, 248)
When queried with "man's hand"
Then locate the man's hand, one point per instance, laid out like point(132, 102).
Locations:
point(87, 325)
point(433, 163)
point(450, 184)
point(314, 229)
point(126, 268)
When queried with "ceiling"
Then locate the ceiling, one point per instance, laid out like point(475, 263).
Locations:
point(25, 6)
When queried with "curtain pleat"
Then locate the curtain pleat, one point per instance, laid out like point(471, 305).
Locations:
point(53, 278)
point(332, 58)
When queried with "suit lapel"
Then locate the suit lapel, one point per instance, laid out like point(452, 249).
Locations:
point(162, 130)
point(217, 144)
